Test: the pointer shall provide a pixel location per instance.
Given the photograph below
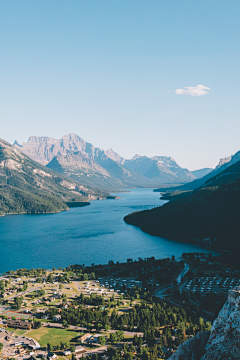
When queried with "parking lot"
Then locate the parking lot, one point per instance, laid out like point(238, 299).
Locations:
point(205, 285)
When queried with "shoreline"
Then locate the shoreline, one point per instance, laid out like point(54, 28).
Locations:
point(70, 204)
point(182, 239)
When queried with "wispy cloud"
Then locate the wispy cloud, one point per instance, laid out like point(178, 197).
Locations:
point(198, 90)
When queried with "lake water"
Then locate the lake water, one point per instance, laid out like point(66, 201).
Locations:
point(91, 234)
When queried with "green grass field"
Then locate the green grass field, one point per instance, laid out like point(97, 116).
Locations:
point(53, 336)
point(20, 332)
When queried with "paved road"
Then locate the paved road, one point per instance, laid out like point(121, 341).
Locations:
point(161, 292)
point(183, 273)
point(24, 292)
point(182, 285)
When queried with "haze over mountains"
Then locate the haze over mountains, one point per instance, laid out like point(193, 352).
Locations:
point(74, 157)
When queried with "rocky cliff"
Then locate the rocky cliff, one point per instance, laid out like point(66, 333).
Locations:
point(102, 169)
point(223, 343)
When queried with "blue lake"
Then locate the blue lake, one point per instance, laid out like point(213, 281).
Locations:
point(91, 234)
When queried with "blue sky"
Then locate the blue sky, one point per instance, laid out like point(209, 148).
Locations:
point(108, 71)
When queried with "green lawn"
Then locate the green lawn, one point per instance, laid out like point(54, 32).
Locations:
point(53, 336)
point(20, 332)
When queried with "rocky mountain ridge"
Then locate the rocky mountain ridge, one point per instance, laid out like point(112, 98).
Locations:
point(140, 171)
point(28, 187)
point(224, 340)
point(195, 184)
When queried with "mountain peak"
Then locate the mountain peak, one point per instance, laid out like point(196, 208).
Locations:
point(114, 156)
point(17, 143)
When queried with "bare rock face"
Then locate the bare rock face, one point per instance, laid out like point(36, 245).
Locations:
point(96, 168)
point(224, 340)
point(192, 349)
point(228, 161)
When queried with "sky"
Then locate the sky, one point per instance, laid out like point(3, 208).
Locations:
point(142, 77)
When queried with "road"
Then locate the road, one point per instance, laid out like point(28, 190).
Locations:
point(78, 286)
point(24, 292)
point(183, 273)
point(160, 293)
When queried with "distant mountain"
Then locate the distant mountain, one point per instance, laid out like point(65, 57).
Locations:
point(80, 168)
point(115, 157)
point(159, 168)
point(222, 165)
point(71, 155)
point(209, 214)
point(201, 172)
point(28, 187)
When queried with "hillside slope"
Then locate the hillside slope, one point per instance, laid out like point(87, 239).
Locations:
point(80, 168)
point(201, 172)
point(210, 214)
point(222, 165)
point(28, 187)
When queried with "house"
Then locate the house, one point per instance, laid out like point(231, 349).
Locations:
point(94, 338)
point(45, 316)
point(3, 334)
point(79, 349)
point(83, 338)
point(51, 356)
point(18, 342)
point(67, 352)
point(34, 344)
point(104, 357)
point(57, 317)
point(21, 351)
point(19, 324)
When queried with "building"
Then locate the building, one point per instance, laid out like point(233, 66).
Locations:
point(51, 356)
point(45, 317)
point(4, 334)
point(94, 338)
point(57, 317)
point(67, 352)
point(19, 324)
point(83, 338)
point(33, 344)
point(79, 349)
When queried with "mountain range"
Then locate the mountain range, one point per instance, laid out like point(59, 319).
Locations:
point(91, 166)
point(29, 187)
point(209, 214)
point(222, 165)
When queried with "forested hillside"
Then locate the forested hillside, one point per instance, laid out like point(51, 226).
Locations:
point(210, 214)
point(28, 187)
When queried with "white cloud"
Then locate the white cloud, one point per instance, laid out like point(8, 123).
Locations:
point(198, 90)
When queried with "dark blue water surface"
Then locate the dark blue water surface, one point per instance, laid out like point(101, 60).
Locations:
point(91, 234)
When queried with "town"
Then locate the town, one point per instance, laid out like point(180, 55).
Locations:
point(139, 309)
